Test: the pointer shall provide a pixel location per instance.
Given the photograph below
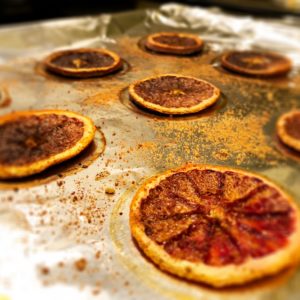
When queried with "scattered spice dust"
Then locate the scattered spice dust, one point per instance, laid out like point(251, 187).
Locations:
point(241, 135)
point(101, 175)
point(222, 154)
point(227, 137)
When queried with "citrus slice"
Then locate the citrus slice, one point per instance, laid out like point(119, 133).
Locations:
point(174, 43)
point(216, 225)
point(83, 63)
point(174, 94)
point(32, 141)
point(288, 129)
point(256, 63)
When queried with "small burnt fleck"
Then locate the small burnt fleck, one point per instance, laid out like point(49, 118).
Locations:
point(110, 191)
point(97, 254)
point(80, 264)
point(60, 183)
point(44, 270)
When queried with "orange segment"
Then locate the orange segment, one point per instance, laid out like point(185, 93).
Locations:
point(191, 244)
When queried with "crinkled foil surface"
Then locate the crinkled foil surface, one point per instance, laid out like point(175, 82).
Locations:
point(62, 236)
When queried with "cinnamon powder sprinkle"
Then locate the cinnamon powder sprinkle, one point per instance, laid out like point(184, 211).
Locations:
point(45, 271)
point(241, 135)
point(80, 264)
point(227, 137)
point(110, 191)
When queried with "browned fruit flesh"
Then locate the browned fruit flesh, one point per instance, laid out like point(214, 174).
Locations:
point(173, 91)
point(292, 125)
point(32, 138)
point(217, 218)
point(175, 40)
point(255, 61)
point(80, 60)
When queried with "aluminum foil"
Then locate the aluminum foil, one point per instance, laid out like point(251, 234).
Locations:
point(65, 233)
point(225, 31)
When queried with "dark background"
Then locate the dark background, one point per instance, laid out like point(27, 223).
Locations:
point(13, 11)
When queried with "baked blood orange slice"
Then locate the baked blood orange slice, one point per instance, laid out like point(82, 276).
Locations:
point(256, 63)
point(174, 94)
point(288, 129)
point(216, 225)
point(174, 43)
point(32, 141)
point(83, 62)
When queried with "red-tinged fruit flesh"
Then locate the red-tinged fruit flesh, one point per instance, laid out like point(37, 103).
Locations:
point(217, 218)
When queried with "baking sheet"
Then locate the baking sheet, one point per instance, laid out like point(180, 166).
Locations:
point(61, 234)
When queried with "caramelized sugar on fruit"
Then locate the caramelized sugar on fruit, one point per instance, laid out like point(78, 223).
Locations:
point(292, 125)
point(288, 129)
point(256, 63)
point(174, 43)
point(83, 60)
point(217, 218)
point(175, 40)
point(174, 94)
point(251, 60)
point(35, 137)
point(32, 141)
